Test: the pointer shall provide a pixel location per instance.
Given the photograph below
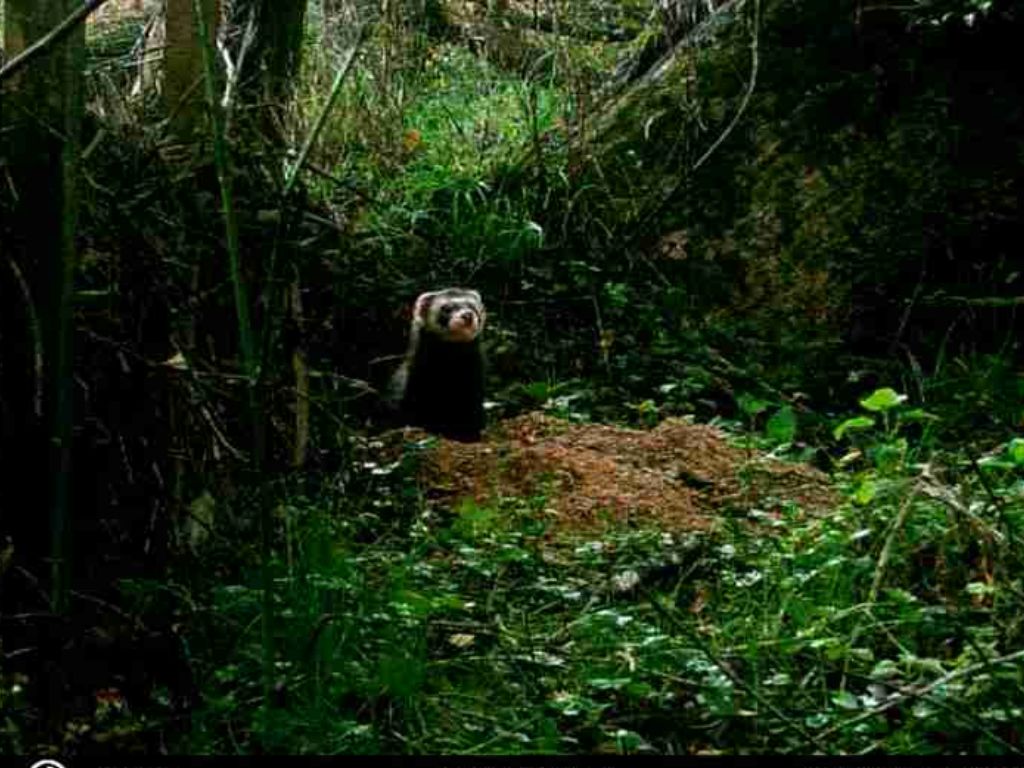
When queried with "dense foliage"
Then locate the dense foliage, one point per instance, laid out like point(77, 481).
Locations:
point(796, 221)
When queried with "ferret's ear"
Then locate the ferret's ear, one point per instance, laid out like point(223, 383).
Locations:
point(481, 311)
point(422, 306)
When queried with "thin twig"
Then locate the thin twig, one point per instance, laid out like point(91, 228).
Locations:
point(876, 582)
point(235, 71)
point(916, 693)
point(883, 557)
point(789, 722)
point(222, 163)
point(997, 503)
point(37, 336)
point(746, 96)
point(321, 119)
point(665, 197)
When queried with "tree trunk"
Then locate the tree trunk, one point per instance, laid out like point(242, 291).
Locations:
point(270, 68)
point(183, 64)
point(40, 146)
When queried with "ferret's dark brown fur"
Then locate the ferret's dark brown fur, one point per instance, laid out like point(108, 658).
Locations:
point(440, 384)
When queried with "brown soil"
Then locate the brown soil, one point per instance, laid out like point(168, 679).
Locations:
point(677, 476)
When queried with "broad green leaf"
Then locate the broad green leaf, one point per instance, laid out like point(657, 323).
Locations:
point(411, 603)
point(400, 674)
point(888, 456)
point(865, 492)
point(862, 654)
point(845, 700)
point(539, 390)
point(1016, 451)
point(818, 720)
point(885, 668)
point(751, 405)
point(627, 741)
point(980, 589)
point(857, 422)
point(781, 427)
point(883, 399)
point(639, 689)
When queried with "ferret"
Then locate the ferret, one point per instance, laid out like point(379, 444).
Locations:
point(440, 383)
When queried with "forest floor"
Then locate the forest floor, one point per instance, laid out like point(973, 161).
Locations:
point(571, 586)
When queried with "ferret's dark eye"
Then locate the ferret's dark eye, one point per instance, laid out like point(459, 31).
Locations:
point(445, 314)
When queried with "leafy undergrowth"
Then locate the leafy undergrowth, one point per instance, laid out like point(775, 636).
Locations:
point(891, 623)
point(451, 600)
point(423, 160)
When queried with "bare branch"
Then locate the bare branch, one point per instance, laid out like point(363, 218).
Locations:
point(50, 39)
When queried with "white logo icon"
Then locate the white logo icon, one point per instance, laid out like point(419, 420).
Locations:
point(46, 763)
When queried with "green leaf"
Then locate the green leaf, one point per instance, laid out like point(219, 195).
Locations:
point(886, 668)
point(882, 400)
point(627, 741)
point(980, 589)
point(818, 720)
point(862, 654)
point(538, 390)
point(1016, 451)
point(411, 603)
point(857, 422)
point(608, 683)
point(751, 405)
point(638, 689)
point(888, 456)
point(864, 492)
point(923, 710)
point(845, 700)
point(781, 427)
point(400, 674)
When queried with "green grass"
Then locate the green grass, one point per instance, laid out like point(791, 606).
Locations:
point(444, 129)
point(888, 625)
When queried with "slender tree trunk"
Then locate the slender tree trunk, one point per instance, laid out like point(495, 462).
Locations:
point(41, 114)
point(270, 68)
point(183, 64)
point(42, 110)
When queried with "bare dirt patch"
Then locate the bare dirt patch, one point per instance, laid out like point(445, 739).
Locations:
point(677, 476)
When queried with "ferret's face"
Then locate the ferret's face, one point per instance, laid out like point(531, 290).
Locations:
point(455, 314)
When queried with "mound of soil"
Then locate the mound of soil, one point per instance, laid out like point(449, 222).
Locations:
point(678, 475)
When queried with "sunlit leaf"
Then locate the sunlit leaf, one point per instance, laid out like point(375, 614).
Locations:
point(918, 414)
point(781, 427)
point(751, 405)
point(1015, 450)
point(863, 533)
point(856, 423)
point(882, 400)
point(884, 669)
point(461, 640)
point(864, 492)
point(845, 700)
